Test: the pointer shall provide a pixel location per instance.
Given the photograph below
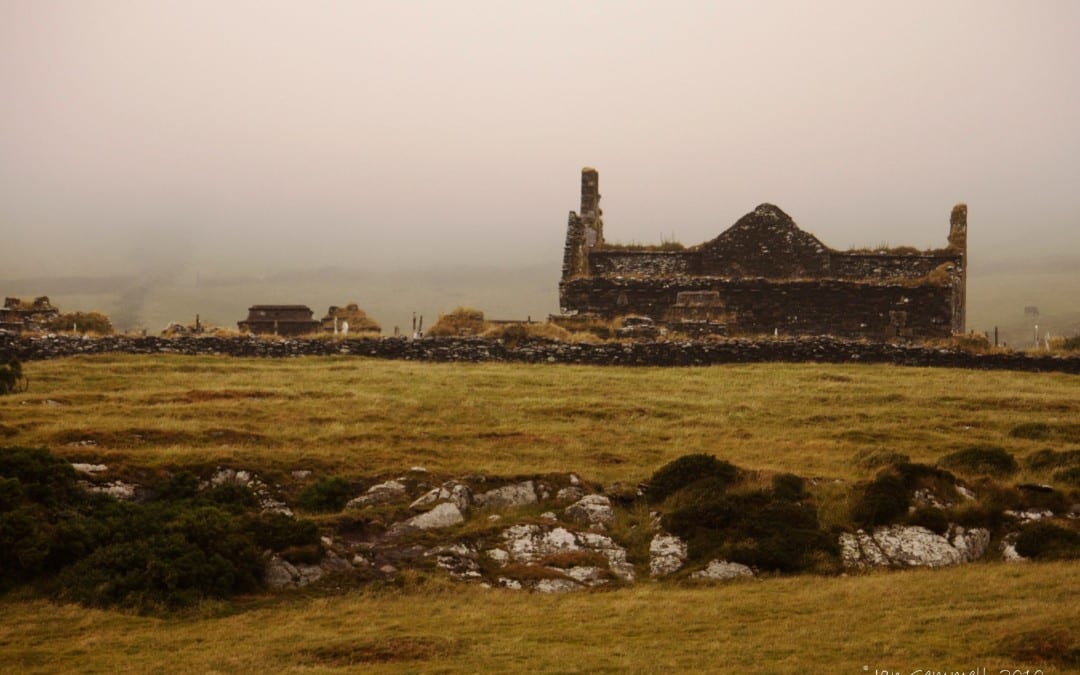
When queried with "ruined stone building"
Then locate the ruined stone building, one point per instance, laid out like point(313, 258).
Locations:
point(279, 320)
point(764, 274)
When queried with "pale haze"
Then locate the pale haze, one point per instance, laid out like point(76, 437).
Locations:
point(188, 140)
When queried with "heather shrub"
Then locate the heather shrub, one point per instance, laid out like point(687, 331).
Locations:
point(685, 471)
point(988, 460)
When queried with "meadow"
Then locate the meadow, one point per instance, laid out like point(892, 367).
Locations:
point(362, 418)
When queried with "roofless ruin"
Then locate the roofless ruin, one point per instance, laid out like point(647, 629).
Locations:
point(764, 274)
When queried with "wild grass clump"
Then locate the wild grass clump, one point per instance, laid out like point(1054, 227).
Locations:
point(82, 322)
point(1070, 476)
point(461, 322)
point(328, 494)
point(512, 334)
point(1042, 431)
point(985, 460)
point(1052, 459)
point(875, 458)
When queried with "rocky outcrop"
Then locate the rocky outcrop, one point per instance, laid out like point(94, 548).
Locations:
point(912, 546)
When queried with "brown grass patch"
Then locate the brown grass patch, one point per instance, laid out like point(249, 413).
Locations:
point(1057, 646)
point(387, 650)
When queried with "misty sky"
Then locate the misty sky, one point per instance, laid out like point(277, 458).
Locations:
point(223, 135)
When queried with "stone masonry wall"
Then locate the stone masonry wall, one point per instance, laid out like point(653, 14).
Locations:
point(803, 307)
point(659, 353)
point(643, 263)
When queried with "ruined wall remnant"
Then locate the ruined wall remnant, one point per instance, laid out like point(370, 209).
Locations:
point(279, 320)
point(18, 315)
point(349, 317)
point(764, 274)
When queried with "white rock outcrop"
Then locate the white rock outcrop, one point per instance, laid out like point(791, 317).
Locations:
point(383, 493)
point(443, 515)
point(591, 510)
point(450, 491)
point(530, 543)
point(667, 553)
point(912, 546)
point(722, 570)
point(508, 496)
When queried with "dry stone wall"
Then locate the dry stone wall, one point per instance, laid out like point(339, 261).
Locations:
point(645, 353)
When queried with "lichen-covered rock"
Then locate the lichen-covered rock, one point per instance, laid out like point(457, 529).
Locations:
point(912, 546)
point(459, 560)
point(556, 586)
point(569, 494)
point(667, 553)
point(116, 489)
point(280, 573)
point(530, 543)
point(451, 491)
point(508, 496)
point(383, 493)
point(591, 510)
point(722, 570)
point(443, 515)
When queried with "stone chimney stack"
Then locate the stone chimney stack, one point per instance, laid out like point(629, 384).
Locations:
point(958, 227)
point(958, 242)
point(591, 214)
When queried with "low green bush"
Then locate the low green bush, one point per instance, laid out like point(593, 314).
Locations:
point(987, 460)
point(175, 550)
point(12, 378)
point(933, 519)
point(1035, 431)
point(881, 501)
point(326, 494)
point(788, 487)
point(755, 529)
point(689, 469)
point(1051, 459)
point(1047, 541)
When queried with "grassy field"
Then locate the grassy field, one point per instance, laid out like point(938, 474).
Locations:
point(961, 618)
point(356, 417)
point(366, 417)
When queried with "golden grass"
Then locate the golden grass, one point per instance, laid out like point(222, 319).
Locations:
point(363, 417)
point(959, 618)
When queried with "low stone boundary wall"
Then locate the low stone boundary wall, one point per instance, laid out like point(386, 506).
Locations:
point(661, 353)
